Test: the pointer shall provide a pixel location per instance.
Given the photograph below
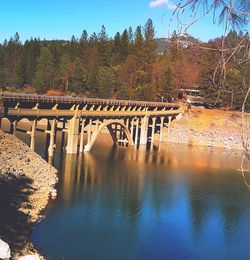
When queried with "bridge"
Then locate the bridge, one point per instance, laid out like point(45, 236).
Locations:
point(128, 122)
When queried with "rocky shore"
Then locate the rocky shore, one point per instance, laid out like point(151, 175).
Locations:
point(26, 184)
point(212, 128)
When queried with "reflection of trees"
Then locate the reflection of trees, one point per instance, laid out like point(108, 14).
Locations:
point(199, 203)
point(213, 195)
point(121, 180)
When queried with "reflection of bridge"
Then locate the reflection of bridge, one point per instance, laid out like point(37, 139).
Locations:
point(128, 122)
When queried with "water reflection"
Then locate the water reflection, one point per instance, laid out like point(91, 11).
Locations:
point(162, 202)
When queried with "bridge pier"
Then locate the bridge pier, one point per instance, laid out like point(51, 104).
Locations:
point(132, 127)
point(52, 133)
point(13, 124)
point(153, 129)
point(14, 127)
point(137, 131)
point(32, 135)
point(73, 131)
point(169, 122)
point(81, 136)
point(89, 130)
point(161, 128)
point(144, 130)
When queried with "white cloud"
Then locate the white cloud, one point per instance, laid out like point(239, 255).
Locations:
point(159, 3)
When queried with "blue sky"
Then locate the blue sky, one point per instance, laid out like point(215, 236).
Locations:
point(60, 19)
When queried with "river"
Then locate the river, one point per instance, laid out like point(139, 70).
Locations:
point(159, 202)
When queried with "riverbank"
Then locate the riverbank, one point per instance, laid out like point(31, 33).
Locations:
point(26, 184)
point(212, 128)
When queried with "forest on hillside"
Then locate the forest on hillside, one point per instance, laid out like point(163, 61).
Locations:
point(126, 66)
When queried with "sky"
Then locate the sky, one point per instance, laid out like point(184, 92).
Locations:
point(60, 19)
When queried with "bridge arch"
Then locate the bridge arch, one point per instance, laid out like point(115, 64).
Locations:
point(109, 124)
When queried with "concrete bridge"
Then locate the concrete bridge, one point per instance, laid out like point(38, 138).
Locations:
point(128, 122)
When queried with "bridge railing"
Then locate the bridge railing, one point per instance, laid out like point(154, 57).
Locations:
point(78, 100)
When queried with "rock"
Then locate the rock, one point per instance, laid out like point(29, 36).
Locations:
point(4, 250)
point(29, 257)
point(53, 193)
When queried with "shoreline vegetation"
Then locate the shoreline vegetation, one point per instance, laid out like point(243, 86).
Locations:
point(26, 183)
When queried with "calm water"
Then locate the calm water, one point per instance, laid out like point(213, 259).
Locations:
point(167, 202)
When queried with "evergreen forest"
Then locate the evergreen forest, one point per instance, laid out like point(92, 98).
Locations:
point(125, 66)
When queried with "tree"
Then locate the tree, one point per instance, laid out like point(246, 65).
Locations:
point(175, 58)
point(117, 46)
point(150, 43)
point(104, 47)
point(124, 45)
point(78, 82)
point(128, 74)
point(139, 46)
point(84, 39)
point(106, 82)
point(66, 70)
point(44, 74)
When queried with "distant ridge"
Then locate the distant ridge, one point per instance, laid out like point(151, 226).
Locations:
point(185, 40)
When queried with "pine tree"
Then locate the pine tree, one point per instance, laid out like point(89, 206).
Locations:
point(124, 45)
point(131, 35)
point(78, 82)
point(139, 47)
point(106, 82)
point(104, 47)
point(117, 49)
point(150, 43)
point(66, 70)
point(21, 77)
point(84, 39)
point(44, 74)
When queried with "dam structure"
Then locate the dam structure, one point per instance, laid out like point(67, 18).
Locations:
point(128, 122)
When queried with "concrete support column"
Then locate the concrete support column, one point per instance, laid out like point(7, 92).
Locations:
point(169, 122)
point(126, 122)
point(132, 128)
point(89, 130)
point(81, 136)
point(153, 129)
point(52, 133)
point(63, 133)
point(161, 128)
point(32, 135)
point(13, 128)
point(73, 130)
point(144, 130)
point(137, 131)
point(97, 124)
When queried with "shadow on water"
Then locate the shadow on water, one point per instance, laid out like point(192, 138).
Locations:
point(15, 226)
